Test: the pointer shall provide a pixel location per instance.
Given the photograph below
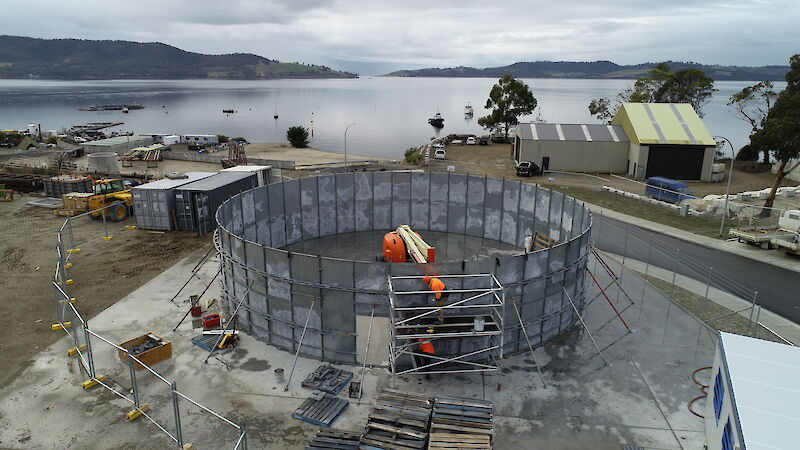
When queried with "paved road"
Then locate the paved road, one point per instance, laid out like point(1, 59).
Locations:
point(777, 287)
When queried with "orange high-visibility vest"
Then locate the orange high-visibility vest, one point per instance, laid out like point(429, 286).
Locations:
point(437, 286)
point(426, 346)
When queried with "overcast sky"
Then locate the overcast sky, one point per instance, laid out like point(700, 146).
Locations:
point(375, 36)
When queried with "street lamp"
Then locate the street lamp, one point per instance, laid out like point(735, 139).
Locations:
point(345, 145)
point(728, 188)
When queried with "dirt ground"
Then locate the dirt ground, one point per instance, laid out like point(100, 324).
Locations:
point(104, 272)
point(301, 155)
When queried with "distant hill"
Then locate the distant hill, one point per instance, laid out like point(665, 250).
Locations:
point(597, 69)
point(77, 59)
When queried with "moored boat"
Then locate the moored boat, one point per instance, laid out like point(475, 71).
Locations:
point(437, 120)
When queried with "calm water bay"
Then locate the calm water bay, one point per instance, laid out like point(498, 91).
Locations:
point(390, 113)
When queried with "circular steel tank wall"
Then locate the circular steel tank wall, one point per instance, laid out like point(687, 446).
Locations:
point(254, 225)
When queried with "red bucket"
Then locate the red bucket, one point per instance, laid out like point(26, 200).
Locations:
point(196, 311)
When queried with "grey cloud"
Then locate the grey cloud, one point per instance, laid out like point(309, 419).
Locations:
point(351, 34)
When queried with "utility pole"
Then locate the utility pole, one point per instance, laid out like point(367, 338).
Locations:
point(728, 188)
point(345, 145)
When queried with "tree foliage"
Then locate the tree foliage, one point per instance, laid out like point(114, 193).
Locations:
point(297, 136)
point(509, 100)
point(752, 105)
point(780, 134)
point(660, 85)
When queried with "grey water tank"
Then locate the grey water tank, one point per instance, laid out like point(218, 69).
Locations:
point(103, 162)
point(154, 202)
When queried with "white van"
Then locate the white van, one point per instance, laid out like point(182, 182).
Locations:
point(439, 153)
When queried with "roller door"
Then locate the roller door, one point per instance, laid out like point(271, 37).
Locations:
point(679, 162)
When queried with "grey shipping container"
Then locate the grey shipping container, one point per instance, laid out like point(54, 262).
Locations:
point(154, 203)
point(196, 203)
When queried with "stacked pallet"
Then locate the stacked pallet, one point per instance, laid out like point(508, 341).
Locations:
point(74, 203)
point(331, 438)
point(399, 421)
point(320, 410)
point(328, 379)
point(461, 423)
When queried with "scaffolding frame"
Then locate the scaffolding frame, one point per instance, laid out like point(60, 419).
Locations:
point(406, 321)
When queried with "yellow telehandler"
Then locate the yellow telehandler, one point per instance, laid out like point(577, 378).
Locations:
point(106, 192)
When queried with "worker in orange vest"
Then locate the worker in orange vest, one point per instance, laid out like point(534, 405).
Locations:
point(440, 298)
point(426, 347)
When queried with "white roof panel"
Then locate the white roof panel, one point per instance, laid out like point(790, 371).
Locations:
point(765, 377)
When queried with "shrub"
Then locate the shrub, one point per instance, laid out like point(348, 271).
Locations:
point(747, 153)
point(413, 155)
point(297, 136)
point(222, 138)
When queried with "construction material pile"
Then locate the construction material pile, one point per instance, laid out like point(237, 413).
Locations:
point(65, 184)
point(461, 423)
point(399, 420)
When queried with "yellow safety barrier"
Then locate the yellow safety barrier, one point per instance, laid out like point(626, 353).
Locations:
point(69, 282)
point(74, 250)
point(130, 227)
point(107, 238)
point(88, 384)
point(68, 266)
point(74, 350)
point(135, 413)
point(60, 326)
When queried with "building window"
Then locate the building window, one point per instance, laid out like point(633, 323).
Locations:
point(727, 436)
point(719, 394)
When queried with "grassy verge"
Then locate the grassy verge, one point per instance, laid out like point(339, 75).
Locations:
point(718, 317)
point(642, 210)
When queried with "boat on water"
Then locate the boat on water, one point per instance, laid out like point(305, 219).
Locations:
point(437, 120)
point(468, 110)
point(123, 108)
point(228, 111)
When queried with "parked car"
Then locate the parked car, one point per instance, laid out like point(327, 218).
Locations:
point(471, 140)
point(438, 145)
point(667, 190)
point(499, 139)
point(485, 139)
point(526, 169)
point(80, 140)
point(439, 153)
point(457, 142)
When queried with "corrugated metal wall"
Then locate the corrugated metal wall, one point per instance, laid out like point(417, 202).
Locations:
point(254, 224)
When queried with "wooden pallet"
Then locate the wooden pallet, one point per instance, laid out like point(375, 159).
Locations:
point(331, 438)
point(461, 423)
point(328, 379)
point(542, 241)
point(399, 421)
point(320, 412)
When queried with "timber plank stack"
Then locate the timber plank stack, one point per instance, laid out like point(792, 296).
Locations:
point(330, 438)
point(461, 423)
point(399, 421)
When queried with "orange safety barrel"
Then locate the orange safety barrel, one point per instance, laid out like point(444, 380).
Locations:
point(394, 249)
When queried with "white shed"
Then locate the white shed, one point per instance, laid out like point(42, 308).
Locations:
point(753, 395)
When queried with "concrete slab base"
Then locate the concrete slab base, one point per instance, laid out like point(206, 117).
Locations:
point(639, 398)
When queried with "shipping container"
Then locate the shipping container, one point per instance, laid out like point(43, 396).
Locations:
point(264, 173)
point(196, 203)
point(154, 203)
